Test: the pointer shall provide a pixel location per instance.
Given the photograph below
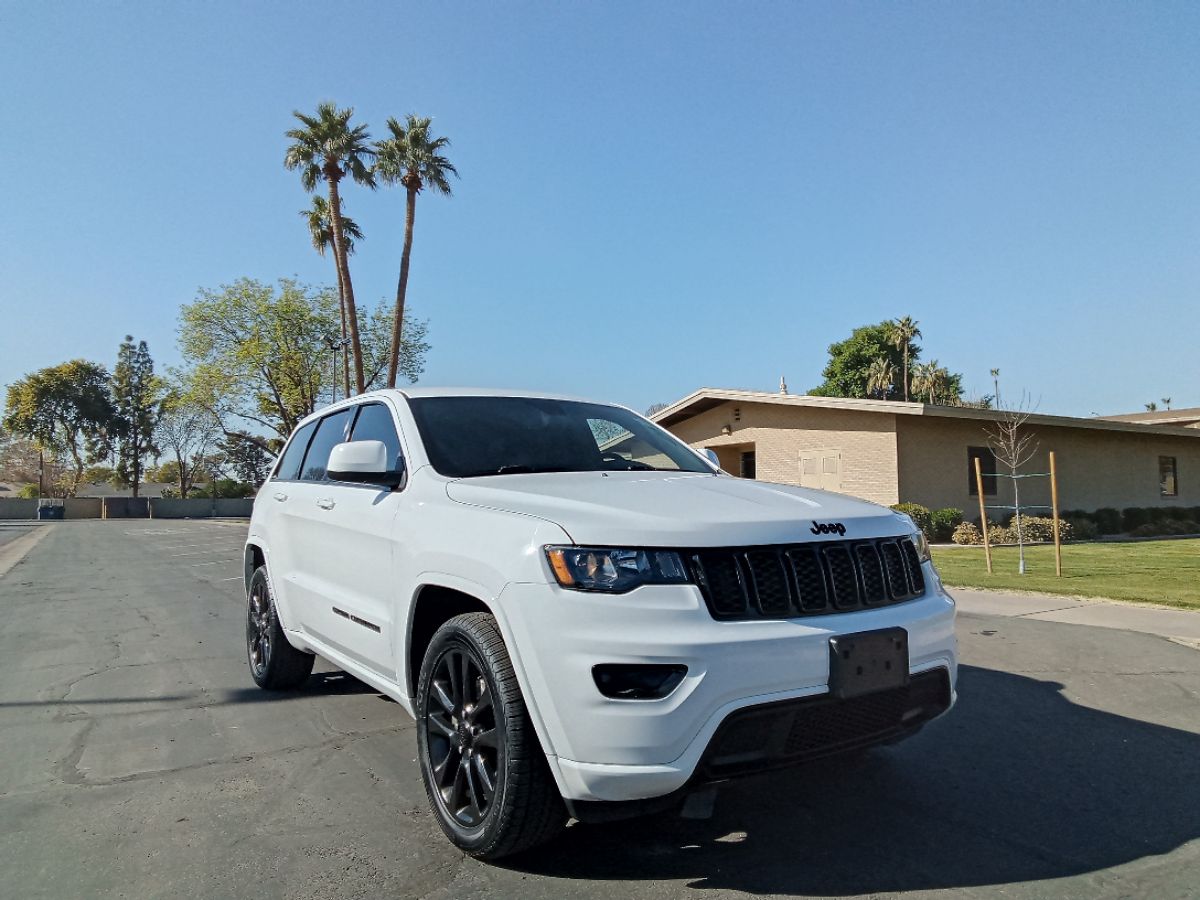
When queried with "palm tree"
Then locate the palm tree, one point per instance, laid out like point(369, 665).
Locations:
point(880, 376)
point(1167, 402)
point(411, 157)
point(902, 332)
point(328, 148)
point(321, 231)
point(996, 385)
point(923, 379)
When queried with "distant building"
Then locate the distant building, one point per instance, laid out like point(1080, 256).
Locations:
point(892, 452)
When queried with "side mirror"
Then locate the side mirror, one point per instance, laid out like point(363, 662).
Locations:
point(711, 455)
point(364, 462)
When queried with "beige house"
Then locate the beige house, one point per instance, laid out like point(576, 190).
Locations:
point(892, 452)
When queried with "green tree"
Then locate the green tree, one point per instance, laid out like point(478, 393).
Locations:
point(245, 458)
point(411, 157)
point(847, 374)
point(188, 432)
point(257, 356)
point(65, 409)
point(328, 149)
point(138, 394)
point(902, 332)
point(881, 375)
point(320, 230)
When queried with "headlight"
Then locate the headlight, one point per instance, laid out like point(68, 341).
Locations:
point(922, 545)
point(614, 571)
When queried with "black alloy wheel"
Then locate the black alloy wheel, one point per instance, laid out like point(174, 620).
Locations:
point(274, 663)
point(488, 782)
point(460, 732)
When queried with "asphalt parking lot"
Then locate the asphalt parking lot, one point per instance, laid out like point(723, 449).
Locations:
point(137, 759)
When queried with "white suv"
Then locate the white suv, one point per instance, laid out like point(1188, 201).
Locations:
point(586, 617)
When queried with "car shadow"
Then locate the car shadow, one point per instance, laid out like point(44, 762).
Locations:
point(1016, 784)
point(331, 684)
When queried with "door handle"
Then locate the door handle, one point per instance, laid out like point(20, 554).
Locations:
point(325, 503)
point(280, 496)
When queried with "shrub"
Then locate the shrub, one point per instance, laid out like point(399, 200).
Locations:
point(1001, 534)
point(1083, 529)
point(920, 515)
point(1134, 517)
point(943, 522)
point(1166, 527)
point(28, 492)
point(1041, 528)
point(967, 533)
point(1107, 520)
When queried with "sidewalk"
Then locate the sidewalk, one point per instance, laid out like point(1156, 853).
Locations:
point(1171, 623)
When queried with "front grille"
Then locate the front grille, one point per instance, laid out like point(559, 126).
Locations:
point(806, 579)
point(793, 731)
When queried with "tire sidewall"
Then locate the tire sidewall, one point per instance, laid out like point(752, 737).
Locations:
point(454, 636)
point(260, 577)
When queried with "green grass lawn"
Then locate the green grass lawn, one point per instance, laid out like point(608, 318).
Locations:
point(1166, 572)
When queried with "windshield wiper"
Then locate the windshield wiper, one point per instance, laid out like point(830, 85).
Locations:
point(527, 470)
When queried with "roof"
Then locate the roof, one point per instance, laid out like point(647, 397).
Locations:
point(416, 392)
point(1187, 416)
point(708, 398)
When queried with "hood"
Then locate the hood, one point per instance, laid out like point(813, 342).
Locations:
point(666, 509)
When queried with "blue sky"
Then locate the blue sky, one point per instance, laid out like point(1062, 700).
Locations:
point(654, 197)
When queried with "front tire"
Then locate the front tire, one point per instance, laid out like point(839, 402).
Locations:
point(485, 774)
point(275, 665)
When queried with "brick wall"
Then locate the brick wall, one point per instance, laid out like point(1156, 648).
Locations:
point(777, 434)
point(1095, 468)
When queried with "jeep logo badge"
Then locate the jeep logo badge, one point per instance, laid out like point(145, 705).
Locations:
point(829, 528)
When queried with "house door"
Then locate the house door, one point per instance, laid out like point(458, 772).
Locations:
point(821, 469)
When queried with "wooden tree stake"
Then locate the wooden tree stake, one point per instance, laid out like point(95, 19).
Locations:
point(1054, 505)
point(983, 522)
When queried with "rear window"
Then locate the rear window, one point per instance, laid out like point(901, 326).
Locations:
point(331, 432)
point(289, 466)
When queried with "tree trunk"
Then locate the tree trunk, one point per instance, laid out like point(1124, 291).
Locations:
point(339, 252)
point(342, 310)
point(402, 287)
point(906, 371)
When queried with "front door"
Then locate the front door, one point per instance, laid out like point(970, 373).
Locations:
point(349, 580)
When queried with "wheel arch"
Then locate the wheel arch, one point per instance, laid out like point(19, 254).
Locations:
point(433, 605)
point(254, 557)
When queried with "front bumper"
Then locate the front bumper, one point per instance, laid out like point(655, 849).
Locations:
point(618, 750)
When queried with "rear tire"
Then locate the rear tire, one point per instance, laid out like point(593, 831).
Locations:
point(275, 665)
point(485, 774)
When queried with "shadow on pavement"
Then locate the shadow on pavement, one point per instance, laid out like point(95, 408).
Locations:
point(1016, 784)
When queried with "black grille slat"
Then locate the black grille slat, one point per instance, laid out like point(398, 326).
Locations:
point(772, 591)
point(916, 579)
point(810, 578)
point(721, 579)
point(821, 577)
point(870, 567)
point(842, 578)
point(897, 571)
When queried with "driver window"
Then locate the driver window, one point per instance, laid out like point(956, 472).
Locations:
point(374, 423)
point(612, 440)
point(331, 432)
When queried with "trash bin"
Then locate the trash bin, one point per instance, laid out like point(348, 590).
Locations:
point(51, 512)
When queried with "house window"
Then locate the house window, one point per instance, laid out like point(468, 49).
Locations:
point(748, 464)
point(1168, 478)
point(987, 468)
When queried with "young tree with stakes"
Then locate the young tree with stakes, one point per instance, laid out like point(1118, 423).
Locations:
point(1014, 445)
point(413, 158)
point(328, 149)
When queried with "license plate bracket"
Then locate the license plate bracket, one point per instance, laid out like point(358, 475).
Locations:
point(867, 661)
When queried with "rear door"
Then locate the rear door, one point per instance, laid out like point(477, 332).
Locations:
point(270, 512)
point(352, 588)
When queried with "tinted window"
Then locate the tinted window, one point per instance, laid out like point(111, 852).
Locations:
point(1168, 477)
point(332, 431)
point(987, 470)
point(467, 436)
point(374, 423)
point(289, 466)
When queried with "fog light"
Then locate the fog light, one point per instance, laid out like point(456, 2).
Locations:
point(624, 681)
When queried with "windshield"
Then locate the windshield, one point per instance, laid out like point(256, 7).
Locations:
point(467, 436)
